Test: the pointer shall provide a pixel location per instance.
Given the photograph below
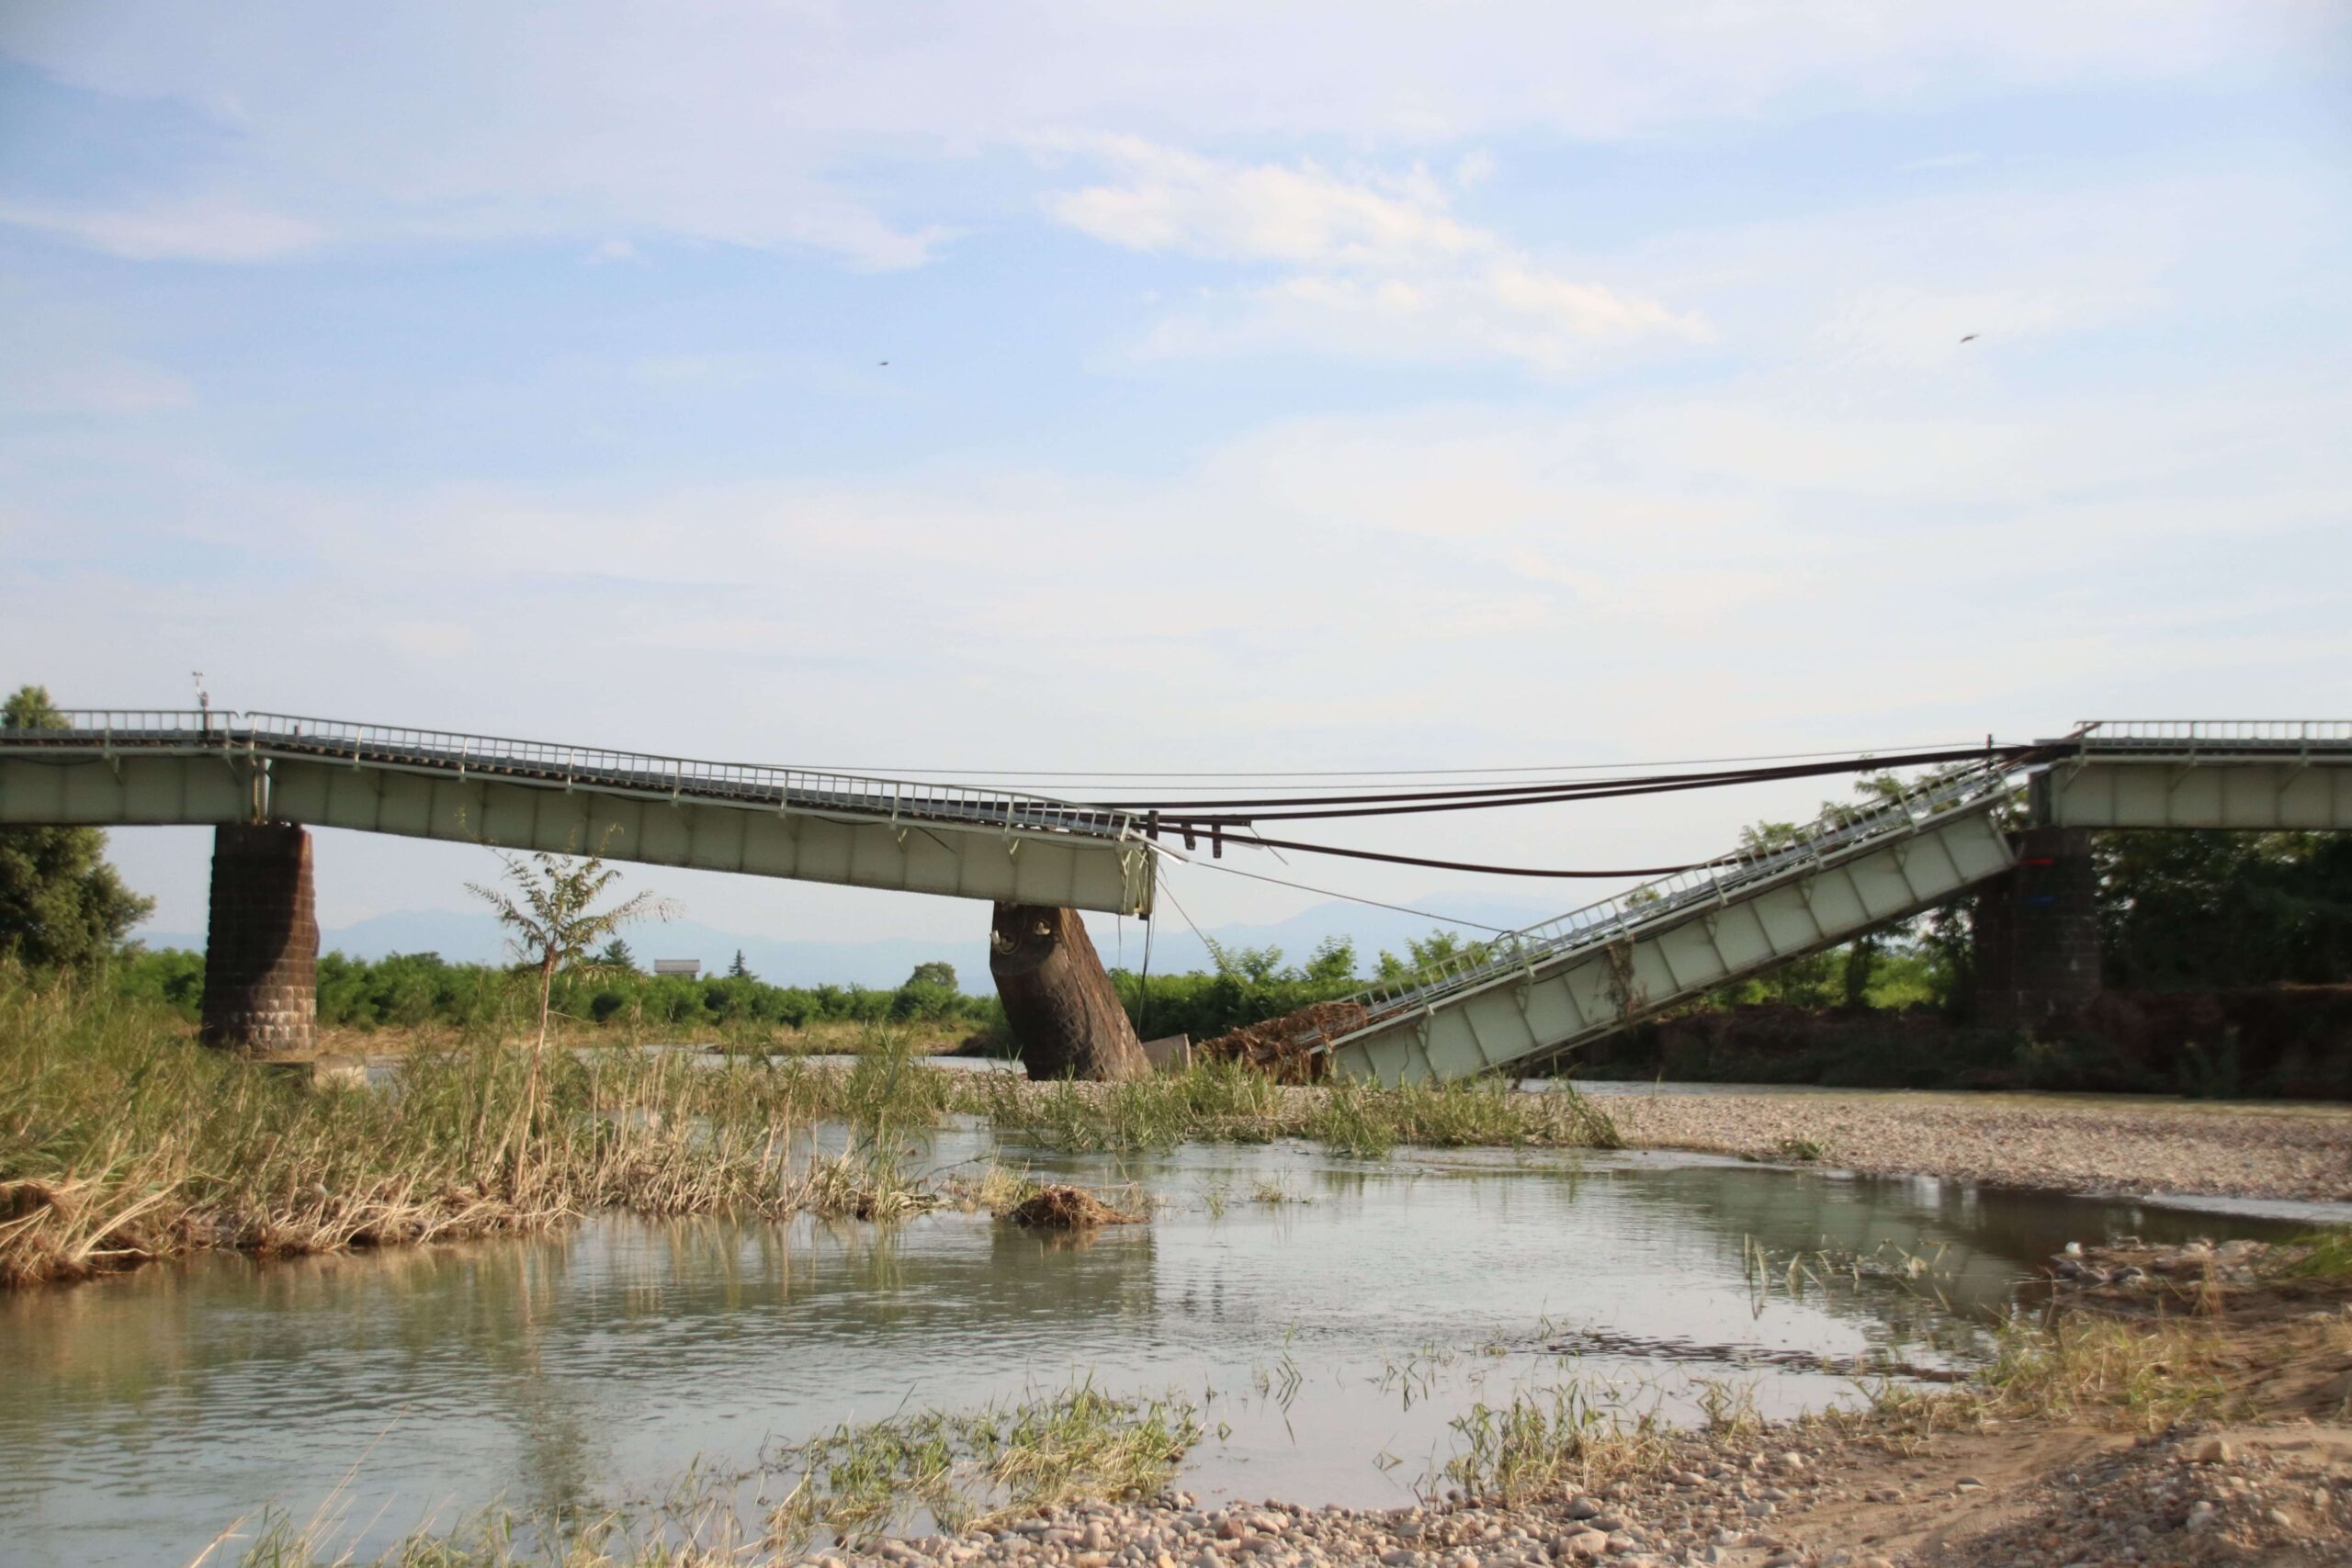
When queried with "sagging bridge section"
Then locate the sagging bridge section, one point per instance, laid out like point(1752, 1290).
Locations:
point(118, 768)
point(261, 780)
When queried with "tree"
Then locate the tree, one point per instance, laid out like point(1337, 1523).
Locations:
point(1440, 947)
point(1333, 963)
point(2217, 910)
point(551, 916)
point(618, 958)
point(739, 970)
point(929, 992)
point(60, 904)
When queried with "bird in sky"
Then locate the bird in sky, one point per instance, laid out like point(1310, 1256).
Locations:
point(1970, 338)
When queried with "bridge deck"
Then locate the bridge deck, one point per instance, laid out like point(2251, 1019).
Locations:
point(127, 767)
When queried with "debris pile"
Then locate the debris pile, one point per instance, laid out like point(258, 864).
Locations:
point(1066, 1208)
point(1290, 1048)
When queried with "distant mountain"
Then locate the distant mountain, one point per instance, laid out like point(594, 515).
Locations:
point(463, 937)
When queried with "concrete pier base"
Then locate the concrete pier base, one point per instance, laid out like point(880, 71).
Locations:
point(2037, 941)
point(261, 953)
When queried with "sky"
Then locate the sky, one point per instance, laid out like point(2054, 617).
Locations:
point(1063, 389)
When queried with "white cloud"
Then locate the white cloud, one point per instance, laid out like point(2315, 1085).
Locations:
point(1378, 265)
point(176, 230)
point(1302, 215)
point(766, 125)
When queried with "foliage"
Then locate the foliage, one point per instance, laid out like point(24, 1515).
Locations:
point(2222, 910)
point(2316, 1255)
point(425, 991)
point(552, 919)
point(61, 903)
point(1251, 985)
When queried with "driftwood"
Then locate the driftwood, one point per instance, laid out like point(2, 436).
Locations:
point(1059, 1000)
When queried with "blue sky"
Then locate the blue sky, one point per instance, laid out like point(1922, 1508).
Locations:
point(1319, 386)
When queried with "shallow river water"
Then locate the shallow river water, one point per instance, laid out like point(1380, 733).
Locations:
point(1331, 1316)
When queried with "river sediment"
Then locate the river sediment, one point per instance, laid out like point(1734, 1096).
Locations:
point(2053, 1143)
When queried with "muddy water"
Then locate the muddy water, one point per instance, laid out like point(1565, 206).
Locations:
point(1331, 1316)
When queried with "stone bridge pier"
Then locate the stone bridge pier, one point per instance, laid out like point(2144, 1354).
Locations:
point(2037, 942)
point(261, 953)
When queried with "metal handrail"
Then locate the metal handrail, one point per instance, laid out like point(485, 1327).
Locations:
point(1670, 899)
point(2104, 732)
point(302, 735)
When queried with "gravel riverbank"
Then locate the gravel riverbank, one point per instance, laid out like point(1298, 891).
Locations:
point(1801, 1497)
point(2040, 1141)
point(2075, 1467)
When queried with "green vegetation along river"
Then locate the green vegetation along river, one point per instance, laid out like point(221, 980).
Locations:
point(1330, 1317)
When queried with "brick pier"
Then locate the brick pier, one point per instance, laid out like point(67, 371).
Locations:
point(2037, 932)
point(261, 956)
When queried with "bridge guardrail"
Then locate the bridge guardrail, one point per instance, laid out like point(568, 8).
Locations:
point(2169, 732)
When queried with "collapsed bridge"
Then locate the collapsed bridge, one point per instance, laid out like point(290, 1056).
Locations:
point(2010, 823)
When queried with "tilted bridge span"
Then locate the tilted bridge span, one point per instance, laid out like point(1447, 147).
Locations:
point(1531, 994)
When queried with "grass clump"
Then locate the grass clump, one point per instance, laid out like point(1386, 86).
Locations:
point(2318, 1255)
point(1544, 1442)
point(982, 1468)
point(2144, 1375)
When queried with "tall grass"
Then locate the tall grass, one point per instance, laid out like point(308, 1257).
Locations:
point(123, 1140)
point(1544, 1442)
point(1231, 1102)
point(2146, 1376)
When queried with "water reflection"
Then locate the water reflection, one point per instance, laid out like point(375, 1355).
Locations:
point(585, 1369)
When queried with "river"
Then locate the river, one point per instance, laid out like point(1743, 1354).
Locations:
point(1330, 1316)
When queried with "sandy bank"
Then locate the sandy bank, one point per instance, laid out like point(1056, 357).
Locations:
point(2041, 1141)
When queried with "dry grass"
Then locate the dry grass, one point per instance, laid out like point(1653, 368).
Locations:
point(2145, 1375)
point(1066, 1208)
point(121, 1140)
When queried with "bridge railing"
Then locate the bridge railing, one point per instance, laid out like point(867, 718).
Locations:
point(1976, 786)
point(2191, 732)
point(134, 723)
point(298, 735)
